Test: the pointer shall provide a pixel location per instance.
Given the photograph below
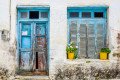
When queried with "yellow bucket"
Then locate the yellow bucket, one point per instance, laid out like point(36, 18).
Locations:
point(103, 55)
point(70, 55)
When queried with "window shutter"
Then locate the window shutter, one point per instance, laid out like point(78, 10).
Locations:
point(89, 36)
point(91, 39)
point(100, 32)
point(73, 33)
point(82, 43)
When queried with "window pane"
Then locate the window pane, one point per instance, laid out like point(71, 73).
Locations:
point(34, 15)
point(74, 14)
point(26, 29)
point(98, 14)
point(23, 15)
point(86, 14)
point(44, 14)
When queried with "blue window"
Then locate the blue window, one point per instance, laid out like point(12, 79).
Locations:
point(87, 30)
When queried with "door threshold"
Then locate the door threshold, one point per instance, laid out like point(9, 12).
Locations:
point(32, 77)
point(34, 73)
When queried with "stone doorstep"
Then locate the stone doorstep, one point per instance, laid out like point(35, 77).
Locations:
point(31, 77)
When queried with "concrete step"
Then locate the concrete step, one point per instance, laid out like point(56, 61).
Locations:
point(32, 78)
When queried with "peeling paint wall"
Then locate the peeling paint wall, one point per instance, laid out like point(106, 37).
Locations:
point(58, 28)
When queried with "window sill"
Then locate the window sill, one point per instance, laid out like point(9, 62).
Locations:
point(86, 60)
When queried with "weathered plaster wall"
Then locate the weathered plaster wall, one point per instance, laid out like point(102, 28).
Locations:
point(58, 28)
point(4, 22)
point(7, 60)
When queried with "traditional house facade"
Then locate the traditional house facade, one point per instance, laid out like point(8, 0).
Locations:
point(35, 33)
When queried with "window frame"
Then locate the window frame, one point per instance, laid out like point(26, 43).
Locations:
point(87, 9)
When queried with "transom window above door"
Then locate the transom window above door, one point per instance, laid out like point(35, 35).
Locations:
point(87, 29)
point(33, 14)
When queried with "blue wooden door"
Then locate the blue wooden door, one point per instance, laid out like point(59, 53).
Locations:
point(33, 46)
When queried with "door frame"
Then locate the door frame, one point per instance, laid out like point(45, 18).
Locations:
point(19, 40)
point(25, 20)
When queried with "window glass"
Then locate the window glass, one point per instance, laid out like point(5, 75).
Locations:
point(23, 15)
point(74, 14)
point(34, 14)
point(98, 14)
point(86, 14)
point(44, 14)
point(26, 29)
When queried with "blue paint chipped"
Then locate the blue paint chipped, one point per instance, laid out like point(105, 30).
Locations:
point(28, 31)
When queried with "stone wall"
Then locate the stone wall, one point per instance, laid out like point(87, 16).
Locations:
point(87, 70)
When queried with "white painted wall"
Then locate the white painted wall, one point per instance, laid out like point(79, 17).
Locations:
point(58, 25)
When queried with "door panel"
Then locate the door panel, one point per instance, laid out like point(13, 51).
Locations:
point(40, 30)
point(26, 42)
point(26, 61)
point(41, 47)
point(26, 29)
point(42, 61)
point(26, 55)
point(41, 42)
